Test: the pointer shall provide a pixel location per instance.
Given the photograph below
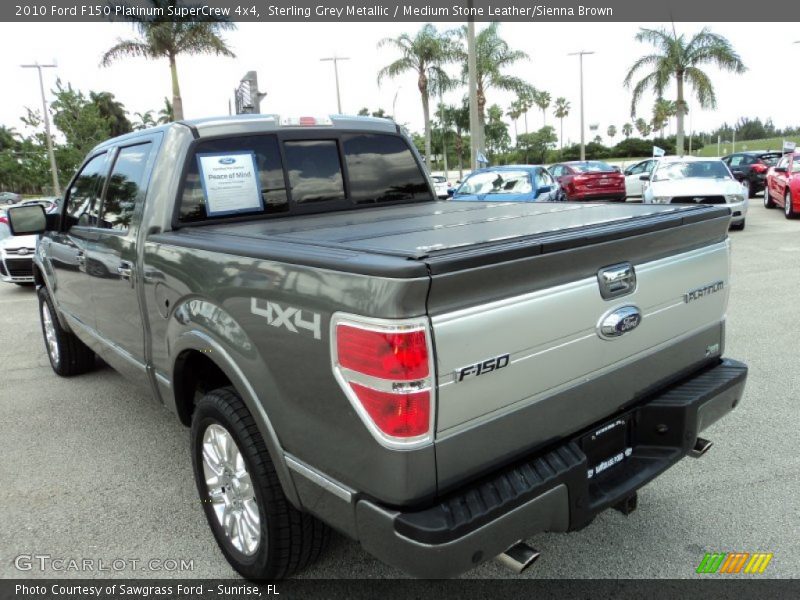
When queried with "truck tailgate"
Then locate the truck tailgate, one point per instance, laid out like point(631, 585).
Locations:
point(541, 308)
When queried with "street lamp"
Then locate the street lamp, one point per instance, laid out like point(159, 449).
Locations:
point(580, 57)
point(335, 59)
point(53, 167)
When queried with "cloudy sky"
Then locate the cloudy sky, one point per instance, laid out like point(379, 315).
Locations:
point(286, 57)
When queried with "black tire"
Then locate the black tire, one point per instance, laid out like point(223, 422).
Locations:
point(70, 356)
point(788, 209)
point(289, 539)
point(738, 226)
point(768, 201)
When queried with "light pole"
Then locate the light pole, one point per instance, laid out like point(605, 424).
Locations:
point(335, 59)
point(394, 105)
point(580, 58)
point(53, 167)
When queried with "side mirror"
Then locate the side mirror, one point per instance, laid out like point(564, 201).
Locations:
point(739, 176)
point(27, 220)
point(451, 192)
point(645, 177)
point(628, 171)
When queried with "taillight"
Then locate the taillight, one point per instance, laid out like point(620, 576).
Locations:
point(385, 369)
point(759, 168)
point(4, 220)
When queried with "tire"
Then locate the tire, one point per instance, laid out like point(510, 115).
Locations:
point(68, 355)
point(287, 540)
point(738, 226)
point(788, 209)
point(768, 201)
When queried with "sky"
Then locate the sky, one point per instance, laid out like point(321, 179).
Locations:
point(287, 60)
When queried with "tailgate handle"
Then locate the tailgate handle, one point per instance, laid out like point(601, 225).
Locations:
point(616, 280)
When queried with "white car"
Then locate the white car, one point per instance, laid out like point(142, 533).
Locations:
point(16, 259)
point(633, 177)
point(440, 186)
point(693, 180)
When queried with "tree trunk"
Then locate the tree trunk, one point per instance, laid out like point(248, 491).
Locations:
point(561, 138)
point(526, 121)
point(544, 117)
point(460, 153)
point(516, 136)
point(177, 102)
point(679, 115)
point(422, 85)
point(481, 119)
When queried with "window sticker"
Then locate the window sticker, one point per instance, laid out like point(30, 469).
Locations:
point(230, 183)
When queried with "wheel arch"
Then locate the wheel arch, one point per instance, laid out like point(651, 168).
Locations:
point(200, 360)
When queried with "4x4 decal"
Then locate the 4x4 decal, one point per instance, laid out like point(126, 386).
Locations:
point(288, 317)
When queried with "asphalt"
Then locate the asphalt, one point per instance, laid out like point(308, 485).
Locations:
point(93, 468)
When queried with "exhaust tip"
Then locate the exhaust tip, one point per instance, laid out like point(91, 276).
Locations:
point(701, 446)
point(518, 557)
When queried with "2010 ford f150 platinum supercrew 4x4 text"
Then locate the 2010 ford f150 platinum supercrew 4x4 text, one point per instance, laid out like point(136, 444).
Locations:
point(437, 380)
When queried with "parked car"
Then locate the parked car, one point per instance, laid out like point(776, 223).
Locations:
point(634, 185)
point(437, 380)
point(16, 258)
point(9, 198)
point(783, 185)
point(588, 181)
point(510, 183)
point(691, 180)
point(753, 166)
point(50, 204)
point(440, 186)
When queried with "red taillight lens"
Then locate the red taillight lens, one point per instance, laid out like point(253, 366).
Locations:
point(4, 220)
point(759, 168)
point(397, 415)
point(388, 355)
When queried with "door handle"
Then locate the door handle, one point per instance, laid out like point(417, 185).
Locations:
point(125, 270)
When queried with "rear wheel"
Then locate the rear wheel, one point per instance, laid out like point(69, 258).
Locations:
point(768, 201)
point(68, 355)
point(258, 530)
point(788, 209)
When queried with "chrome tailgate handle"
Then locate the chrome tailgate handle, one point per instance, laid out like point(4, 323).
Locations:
point(616, 280)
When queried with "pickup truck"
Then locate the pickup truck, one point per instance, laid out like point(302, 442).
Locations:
point(437, 380)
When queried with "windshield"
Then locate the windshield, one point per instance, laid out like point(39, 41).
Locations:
point(594, 166)
point(497, 182)
point(709, 169)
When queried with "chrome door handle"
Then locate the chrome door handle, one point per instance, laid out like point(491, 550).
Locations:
point(125, 270)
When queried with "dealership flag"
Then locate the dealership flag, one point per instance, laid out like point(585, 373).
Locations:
point(658, 151)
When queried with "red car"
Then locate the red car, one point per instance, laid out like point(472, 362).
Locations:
point(589, 180)
point(783, 185)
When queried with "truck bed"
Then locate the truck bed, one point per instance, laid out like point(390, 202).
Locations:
point(435, 237)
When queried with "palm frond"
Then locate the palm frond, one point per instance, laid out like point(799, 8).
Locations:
point(127, 48)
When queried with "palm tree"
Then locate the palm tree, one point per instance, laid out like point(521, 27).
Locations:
point(492, 56)
point(643, 127)
point(144, 120)
point(112, 111)
point(681, 59)
point(627, 130)
point(514, 113)
point(170, 38)
point(459, 117)
point(542, 100)
point(424, 54)
point(661, 114)
point(166, 114)
point(525, 99)
point(561, 111)
point(611, 132)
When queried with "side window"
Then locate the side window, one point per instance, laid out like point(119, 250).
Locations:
point(124, 185)
point(543, 179)
point(82, 203)
point(638, 168)
point(269, 178)
point(381, 168)
point(649, 166)
point(556, 170)
point(783, 162)
point(735, 161)
point(315, 172)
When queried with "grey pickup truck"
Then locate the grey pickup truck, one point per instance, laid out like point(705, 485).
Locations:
point(437, 380)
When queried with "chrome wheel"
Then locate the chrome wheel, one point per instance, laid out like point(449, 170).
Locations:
point(230, 490)
point(787, 205)
point(50, 334)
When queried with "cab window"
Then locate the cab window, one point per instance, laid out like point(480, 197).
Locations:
point(82, 204)
point(124, 184)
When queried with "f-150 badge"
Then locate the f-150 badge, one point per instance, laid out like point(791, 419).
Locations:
point(483, 367)
point(288, 317)
point(619, 322)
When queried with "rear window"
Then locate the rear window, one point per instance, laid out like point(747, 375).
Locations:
point(770, 159)
point(594, 166)
point(381, 168)
point(248, 176)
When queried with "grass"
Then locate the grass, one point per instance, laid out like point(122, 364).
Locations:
point(775, 143)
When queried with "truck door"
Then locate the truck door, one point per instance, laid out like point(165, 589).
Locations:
point(68, 248)
point(111, 259)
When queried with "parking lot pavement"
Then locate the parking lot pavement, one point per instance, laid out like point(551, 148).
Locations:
point(93, 468)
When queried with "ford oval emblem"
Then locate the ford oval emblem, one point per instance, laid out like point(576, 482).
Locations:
point(227, 160)
point(619, 322)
